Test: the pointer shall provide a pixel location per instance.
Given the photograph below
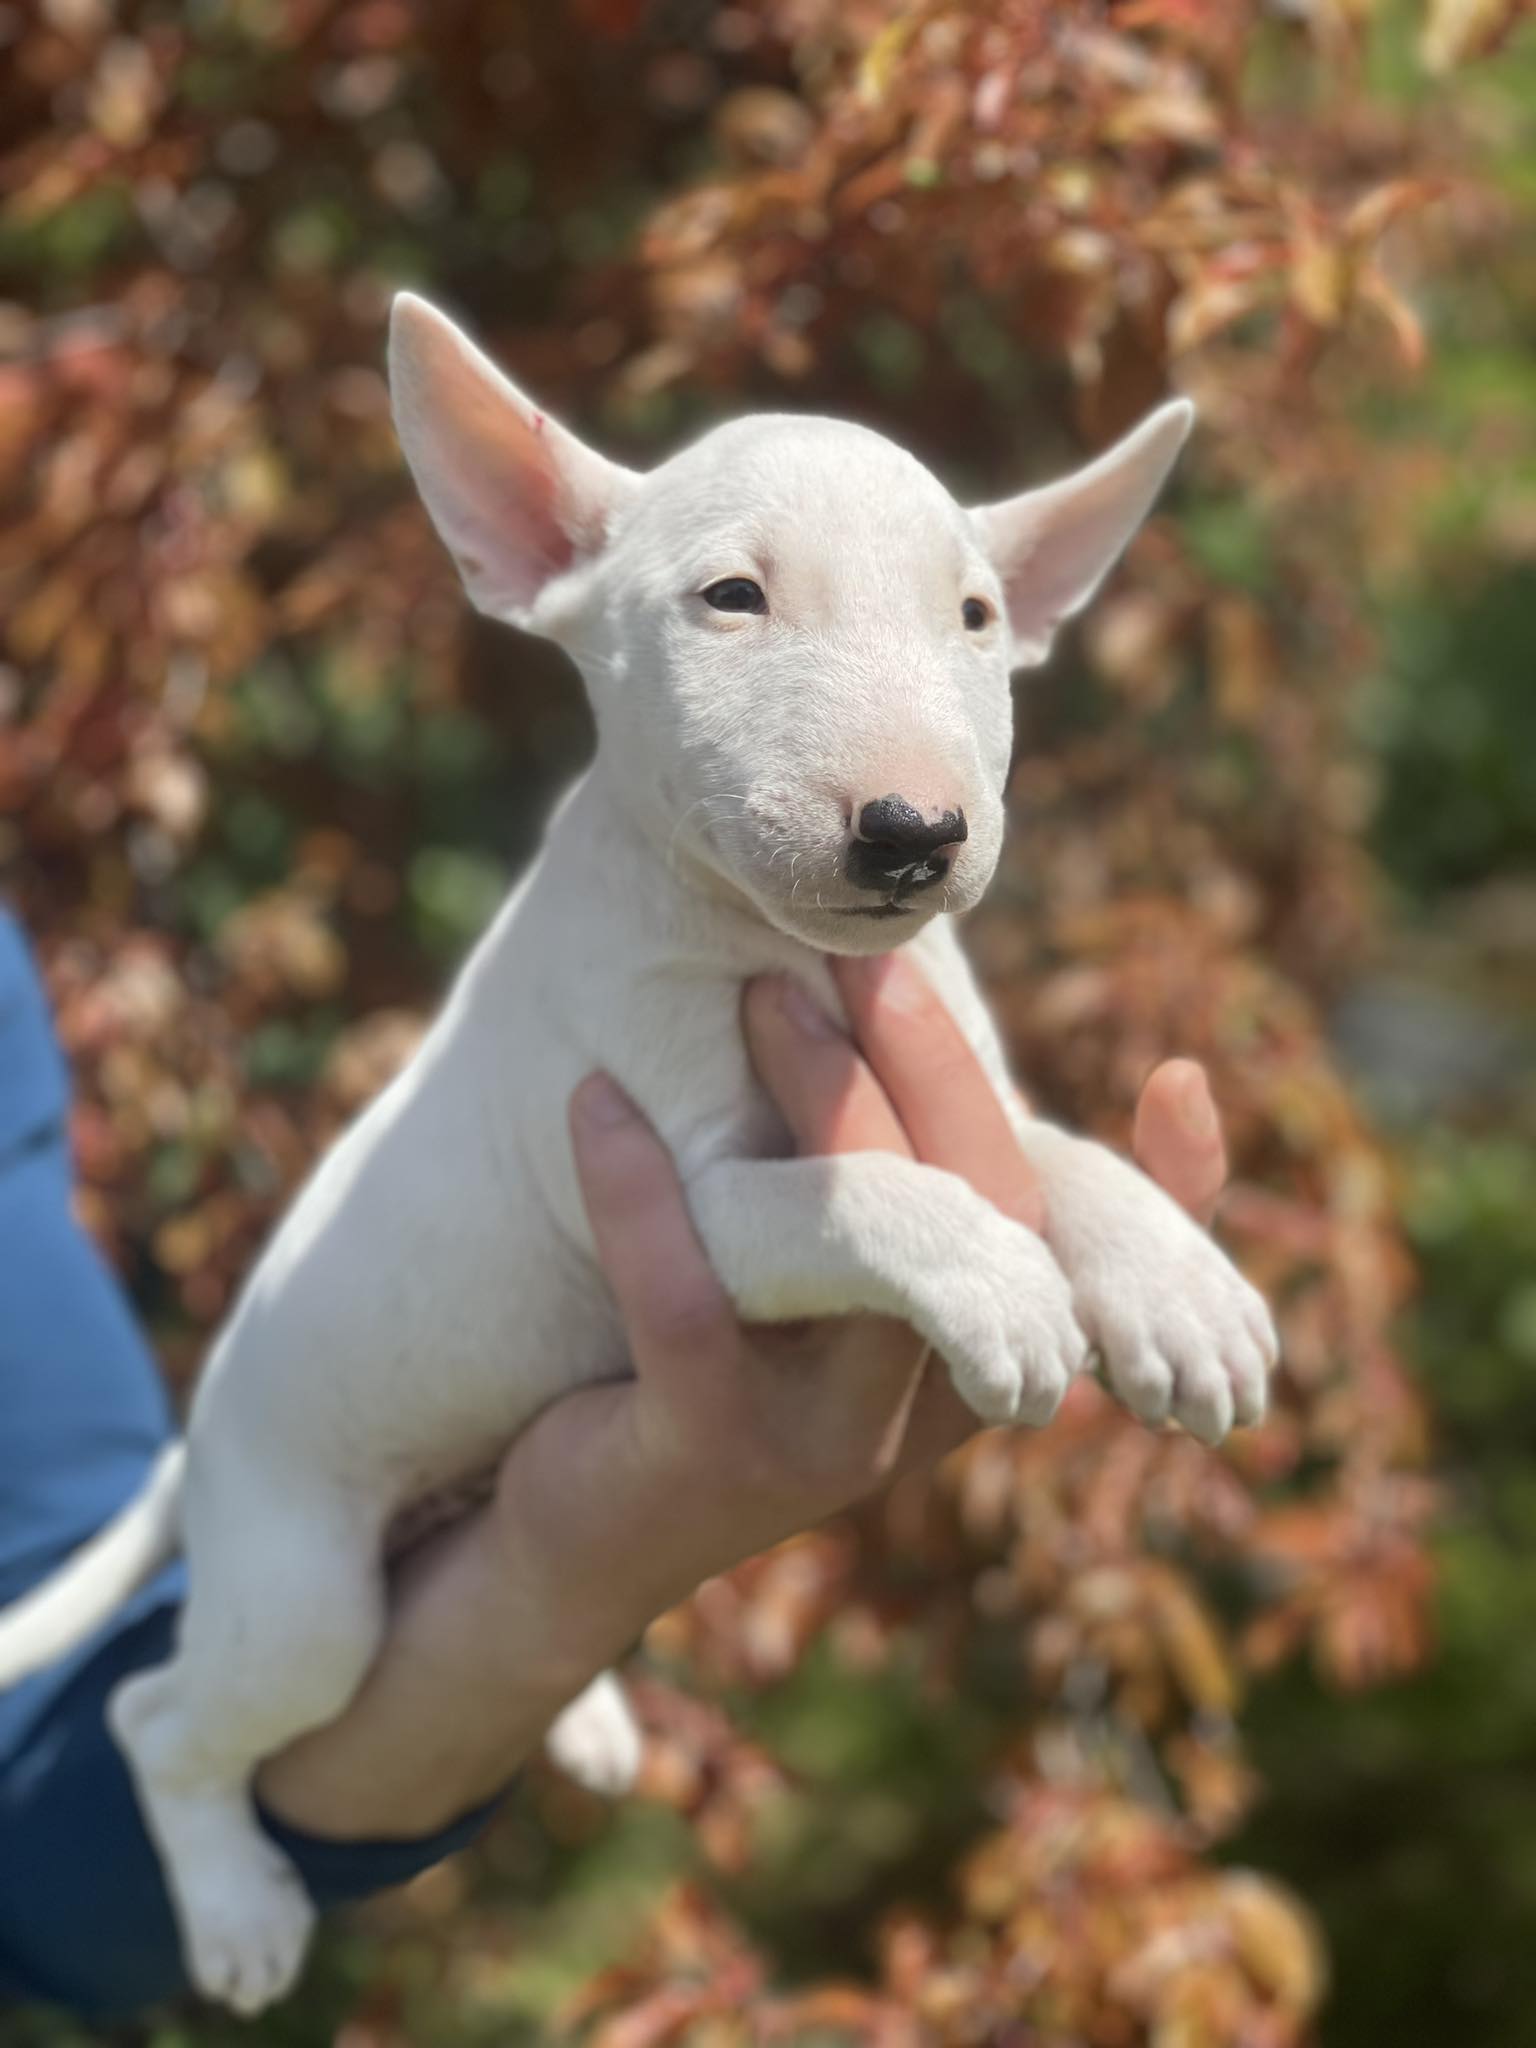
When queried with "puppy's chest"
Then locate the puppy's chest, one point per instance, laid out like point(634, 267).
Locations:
point(749, 1128)
point(705, 1105)
point(685, 1061)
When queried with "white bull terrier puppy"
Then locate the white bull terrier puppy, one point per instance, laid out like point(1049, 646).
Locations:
point(798, 646)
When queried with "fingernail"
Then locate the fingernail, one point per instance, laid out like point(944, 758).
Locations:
point(1197, 1112)
point(602, 1104)
point(803, 1010)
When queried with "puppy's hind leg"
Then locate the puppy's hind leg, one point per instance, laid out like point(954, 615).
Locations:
point(284, 1616)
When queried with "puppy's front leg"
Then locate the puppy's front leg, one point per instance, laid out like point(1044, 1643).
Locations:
point(1180, 1331)
point(867, 1231)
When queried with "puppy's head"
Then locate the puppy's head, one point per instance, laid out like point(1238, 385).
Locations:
point(798, 644)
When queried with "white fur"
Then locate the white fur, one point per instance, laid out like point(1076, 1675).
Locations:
point(435, 1284)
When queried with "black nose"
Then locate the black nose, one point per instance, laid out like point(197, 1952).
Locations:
point(890, 821)
point(898, 849)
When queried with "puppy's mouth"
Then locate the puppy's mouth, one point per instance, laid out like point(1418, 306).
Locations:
point(895, 877)
point(895, 907)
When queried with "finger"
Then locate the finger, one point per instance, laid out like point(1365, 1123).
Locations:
point(940, 1421)
point(1178, 1137)
point(935, 1083)
point(677, 1316)
point(850, 1384)
point(809, 1065)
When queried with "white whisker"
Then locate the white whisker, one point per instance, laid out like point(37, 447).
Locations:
point(724, 796)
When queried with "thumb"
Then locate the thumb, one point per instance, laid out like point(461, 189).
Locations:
point(1178, 1137)
point(676, 1315)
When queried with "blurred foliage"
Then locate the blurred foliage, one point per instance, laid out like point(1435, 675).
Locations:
point(970, 1767)
point(1460, 793)
point(1410, 1818)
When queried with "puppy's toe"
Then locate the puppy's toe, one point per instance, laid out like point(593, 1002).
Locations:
point(1135, 1365)
point(1260, 1325)
point(1250, 1382)
point(1202, 1399)
point(1039, 1400)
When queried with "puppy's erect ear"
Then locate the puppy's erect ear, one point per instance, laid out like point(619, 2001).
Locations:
point(1053, 547)
point(517, 498)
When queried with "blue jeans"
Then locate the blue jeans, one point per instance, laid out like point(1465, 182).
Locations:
point(84, 1918)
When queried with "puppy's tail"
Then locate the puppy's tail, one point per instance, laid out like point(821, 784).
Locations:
point(63, 1610)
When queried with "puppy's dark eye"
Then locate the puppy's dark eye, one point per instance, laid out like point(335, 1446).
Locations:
point(736, 594)
point(976, 613)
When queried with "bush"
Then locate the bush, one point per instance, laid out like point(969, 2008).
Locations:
point(961, 1768)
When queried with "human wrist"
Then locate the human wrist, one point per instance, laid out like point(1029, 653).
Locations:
point(591, 1579)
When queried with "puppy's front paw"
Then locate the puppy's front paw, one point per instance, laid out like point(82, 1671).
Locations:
point(1006, 1326)
point(1181, 1332)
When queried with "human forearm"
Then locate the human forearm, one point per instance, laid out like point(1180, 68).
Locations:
point(494, 1628)
point(470, 1676)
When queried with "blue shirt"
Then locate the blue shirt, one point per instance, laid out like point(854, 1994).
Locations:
point(84, 1917)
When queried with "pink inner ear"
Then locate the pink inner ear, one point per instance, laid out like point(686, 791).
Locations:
point(498, 502)
point(504, 480)
point(514, 496)
point(524, 497)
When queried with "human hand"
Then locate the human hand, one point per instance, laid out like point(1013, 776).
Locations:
point(619, 1499)
point(731, 1437)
